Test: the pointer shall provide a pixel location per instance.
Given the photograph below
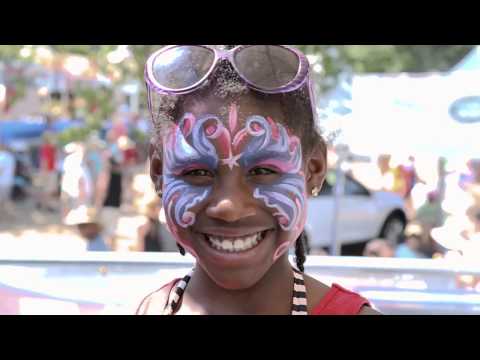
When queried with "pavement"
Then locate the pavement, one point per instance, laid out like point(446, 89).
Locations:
point(28, 228)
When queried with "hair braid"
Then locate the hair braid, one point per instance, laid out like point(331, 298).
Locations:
point(181, 249)
point(300, 255)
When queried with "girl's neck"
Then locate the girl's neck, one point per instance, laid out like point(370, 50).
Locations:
point(271, 295)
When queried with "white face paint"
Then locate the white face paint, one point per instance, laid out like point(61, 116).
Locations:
point(205, 143)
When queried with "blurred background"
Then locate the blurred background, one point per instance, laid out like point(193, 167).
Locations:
point(399, 212)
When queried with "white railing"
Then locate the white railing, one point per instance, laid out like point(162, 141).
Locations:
point(116, 282)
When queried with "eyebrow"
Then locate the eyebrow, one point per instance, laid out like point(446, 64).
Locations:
point(179, 167)
point(264, 157)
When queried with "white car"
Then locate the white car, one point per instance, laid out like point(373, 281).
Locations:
point(362, 215)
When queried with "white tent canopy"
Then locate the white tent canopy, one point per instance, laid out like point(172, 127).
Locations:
point(469, 62)
point(411, 114)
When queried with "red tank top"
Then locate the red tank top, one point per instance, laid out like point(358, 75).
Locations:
point(340, 301)
point(337, 301)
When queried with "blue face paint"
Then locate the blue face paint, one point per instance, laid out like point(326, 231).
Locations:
point(205, 143)
point(187, 147)
point(271, 145)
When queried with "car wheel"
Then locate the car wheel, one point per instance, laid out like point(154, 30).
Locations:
point(393, 229)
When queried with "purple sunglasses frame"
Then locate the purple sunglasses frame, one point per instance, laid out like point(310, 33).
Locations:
point(302, 76)
point(297, 82)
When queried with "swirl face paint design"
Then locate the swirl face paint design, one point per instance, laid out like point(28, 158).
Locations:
point(272, 146)
point(205, 143)
point(186, 147)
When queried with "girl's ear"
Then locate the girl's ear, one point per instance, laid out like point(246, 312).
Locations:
point(316, 167)
point(156, 167)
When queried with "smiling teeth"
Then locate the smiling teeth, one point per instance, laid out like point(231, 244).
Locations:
point(235, 244)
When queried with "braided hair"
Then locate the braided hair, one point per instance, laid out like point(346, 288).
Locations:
point(301, 250)
point(181, 249)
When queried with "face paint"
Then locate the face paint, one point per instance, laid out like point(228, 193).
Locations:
point(186, 148)
point(205, 143)
point(271, 145)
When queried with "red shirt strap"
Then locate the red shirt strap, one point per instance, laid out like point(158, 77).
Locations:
point(144, 305)
point(340, 301)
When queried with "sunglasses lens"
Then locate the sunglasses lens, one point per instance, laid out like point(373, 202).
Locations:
point(182, 66)
point(267, 66)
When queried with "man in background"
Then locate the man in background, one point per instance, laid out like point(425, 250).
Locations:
point(7, 177)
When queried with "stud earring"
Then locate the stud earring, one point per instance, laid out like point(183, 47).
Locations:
point(315, 191)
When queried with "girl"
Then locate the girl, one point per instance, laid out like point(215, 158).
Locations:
point(234, 156)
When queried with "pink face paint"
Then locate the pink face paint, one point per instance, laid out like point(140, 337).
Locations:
point(186, 147)
point(272, 145)
point(207, 143)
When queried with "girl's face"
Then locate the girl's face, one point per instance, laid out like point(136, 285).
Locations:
point(234, 187)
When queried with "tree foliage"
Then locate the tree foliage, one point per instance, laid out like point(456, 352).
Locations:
point(385, 58)
point(330, 60)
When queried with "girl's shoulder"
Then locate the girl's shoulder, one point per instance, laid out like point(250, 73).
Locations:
point(155, 302)
point(334, 300)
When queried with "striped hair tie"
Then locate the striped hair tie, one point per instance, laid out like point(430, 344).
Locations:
point(176, 295)
point(299, 302)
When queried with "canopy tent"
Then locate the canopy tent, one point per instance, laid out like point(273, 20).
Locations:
point(436, 114)
point(469, 62)
point(408, 112)
point(11, 130)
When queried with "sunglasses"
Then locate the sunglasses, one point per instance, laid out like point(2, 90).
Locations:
point(271, 69)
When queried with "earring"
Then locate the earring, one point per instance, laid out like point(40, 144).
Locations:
point(315, 191)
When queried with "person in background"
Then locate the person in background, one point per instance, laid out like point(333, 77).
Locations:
point(414, 245)
point(130, 158)
point(90, 229)
point(23, 175)
point(378, 248)
point(109, 190)
point(7, 177)
point(48, 174)
point(431, 214)
point(77, 188)
point(94, 157)
point(472, 231)
point(386, 173)
point(410, 178)
point(154, 236)
point(471, 178)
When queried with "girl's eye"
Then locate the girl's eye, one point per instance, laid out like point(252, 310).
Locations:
point(199, 173)
point(259, 171)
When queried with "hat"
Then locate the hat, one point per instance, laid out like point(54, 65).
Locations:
point(124, 143)
point(449, 234)
point(94, 141)
point(81, 215)
point(414, 229)
point(72, 147)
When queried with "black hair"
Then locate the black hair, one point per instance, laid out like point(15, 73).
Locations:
point(301, 250)
point(181, 249)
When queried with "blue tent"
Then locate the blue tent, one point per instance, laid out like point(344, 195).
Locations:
point(30, 129)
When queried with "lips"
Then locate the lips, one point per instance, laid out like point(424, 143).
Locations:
point(235, 244)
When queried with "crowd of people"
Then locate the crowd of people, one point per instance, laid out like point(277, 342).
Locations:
point(87, 184)
point(446, 224)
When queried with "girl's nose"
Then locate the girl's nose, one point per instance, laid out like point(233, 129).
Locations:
point(231, 203)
